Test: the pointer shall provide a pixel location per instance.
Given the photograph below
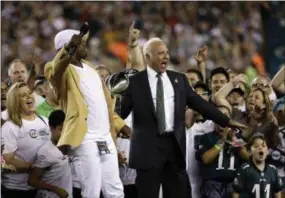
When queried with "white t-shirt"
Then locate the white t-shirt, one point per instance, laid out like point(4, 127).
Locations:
point(98, 117)
point(127, 175)
point(58, 170)
point(24, 142)
point(4, 115)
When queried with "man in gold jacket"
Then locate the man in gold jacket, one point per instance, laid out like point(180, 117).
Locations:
point(91, 124)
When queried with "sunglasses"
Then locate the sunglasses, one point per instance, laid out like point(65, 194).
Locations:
point(203, 93)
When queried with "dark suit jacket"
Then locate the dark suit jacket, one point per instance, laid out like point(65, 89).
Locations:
point(137, 98)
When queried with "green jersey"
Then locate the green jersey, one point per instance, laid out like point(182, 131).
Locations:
point(253, 183)
point(223, 169)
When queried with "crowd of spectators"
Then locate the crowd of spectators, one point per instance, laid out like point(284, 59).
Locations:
point(218, 46)
point(231, 29)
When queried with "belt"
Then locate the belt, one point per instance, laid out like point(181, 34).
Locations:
point(167, 134)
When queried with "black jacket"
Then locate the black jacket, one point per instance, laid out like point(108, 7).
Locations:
point(138, 99)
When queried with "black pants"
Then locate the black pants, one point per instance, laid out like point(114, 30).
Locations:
point(170, 173)
point(12, 193)
point(130, 191)
point(213, 189)
point(77, 193)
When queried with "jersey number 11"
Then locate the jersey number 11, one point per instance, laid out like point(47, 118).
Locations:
point(256, 190)
point(221, 161)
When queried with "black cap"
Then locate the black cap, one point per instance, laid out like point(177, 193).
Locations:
point(238, 89)
point(202, 85)
point(40, 80)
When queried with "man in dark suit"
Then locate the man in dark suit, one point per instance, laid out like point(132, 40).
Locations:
point(158, 99)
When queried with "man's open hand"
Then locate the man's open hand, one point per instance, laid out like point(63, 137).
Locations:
point(236, 125)
point(125, 132)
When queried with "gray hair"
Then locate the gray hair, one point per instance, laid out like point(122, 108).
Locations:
point(147, 45)
point(15, 61)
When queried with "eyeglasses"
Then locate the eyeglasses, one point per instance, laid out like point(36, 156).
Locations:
point(260, 85)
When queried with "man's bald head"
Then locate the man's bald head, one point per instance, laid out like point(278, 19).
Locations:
point(18, 71)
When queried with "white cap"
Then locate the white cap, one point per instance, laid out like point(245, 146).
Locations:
point(63, 37)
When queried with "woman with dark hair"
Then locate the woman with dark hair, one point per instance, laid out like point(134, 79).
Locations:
point(260, 117)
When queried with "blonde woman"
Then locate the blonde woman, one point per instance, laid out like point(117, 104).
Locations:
point(24, 133)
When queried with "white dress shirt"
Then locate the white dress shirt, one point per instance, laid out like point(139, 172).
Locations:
point(168, 93)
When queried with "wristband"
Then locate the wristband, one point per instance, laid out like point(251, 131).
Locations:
point(133, 46)
point(218, 147)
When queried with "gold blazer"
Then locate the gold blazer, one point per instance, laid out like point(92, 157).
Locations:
point(65, 81)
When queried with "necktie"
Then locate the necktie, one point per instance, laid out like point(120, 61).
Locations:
point(160, 113)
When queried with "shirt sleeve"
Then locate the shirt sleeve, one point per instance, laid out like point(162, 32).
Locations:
point(10, 134)
point(239, 181)
point(208, 110)
point(202, 147)
point(41, 160)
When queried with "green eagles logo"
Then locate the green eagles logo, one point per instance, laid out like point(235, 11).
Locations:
point(236, 181)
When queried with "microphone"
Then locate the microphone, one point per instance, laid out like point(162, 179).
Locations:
point(83, 30)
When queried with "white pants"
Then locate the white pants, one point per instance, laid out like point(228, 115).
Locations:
point(95, 172)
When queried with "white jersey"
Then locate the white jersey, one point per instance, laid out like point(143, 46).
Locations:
point(197, 129)
point(192, 165)
point(57, 169)
point(24, 142)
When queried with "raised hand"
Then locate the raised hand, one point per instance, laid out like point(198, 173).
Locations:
point(133, 35)
point(202, 54)
point(74, 41)
point(39, 63)
point(241, 78)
